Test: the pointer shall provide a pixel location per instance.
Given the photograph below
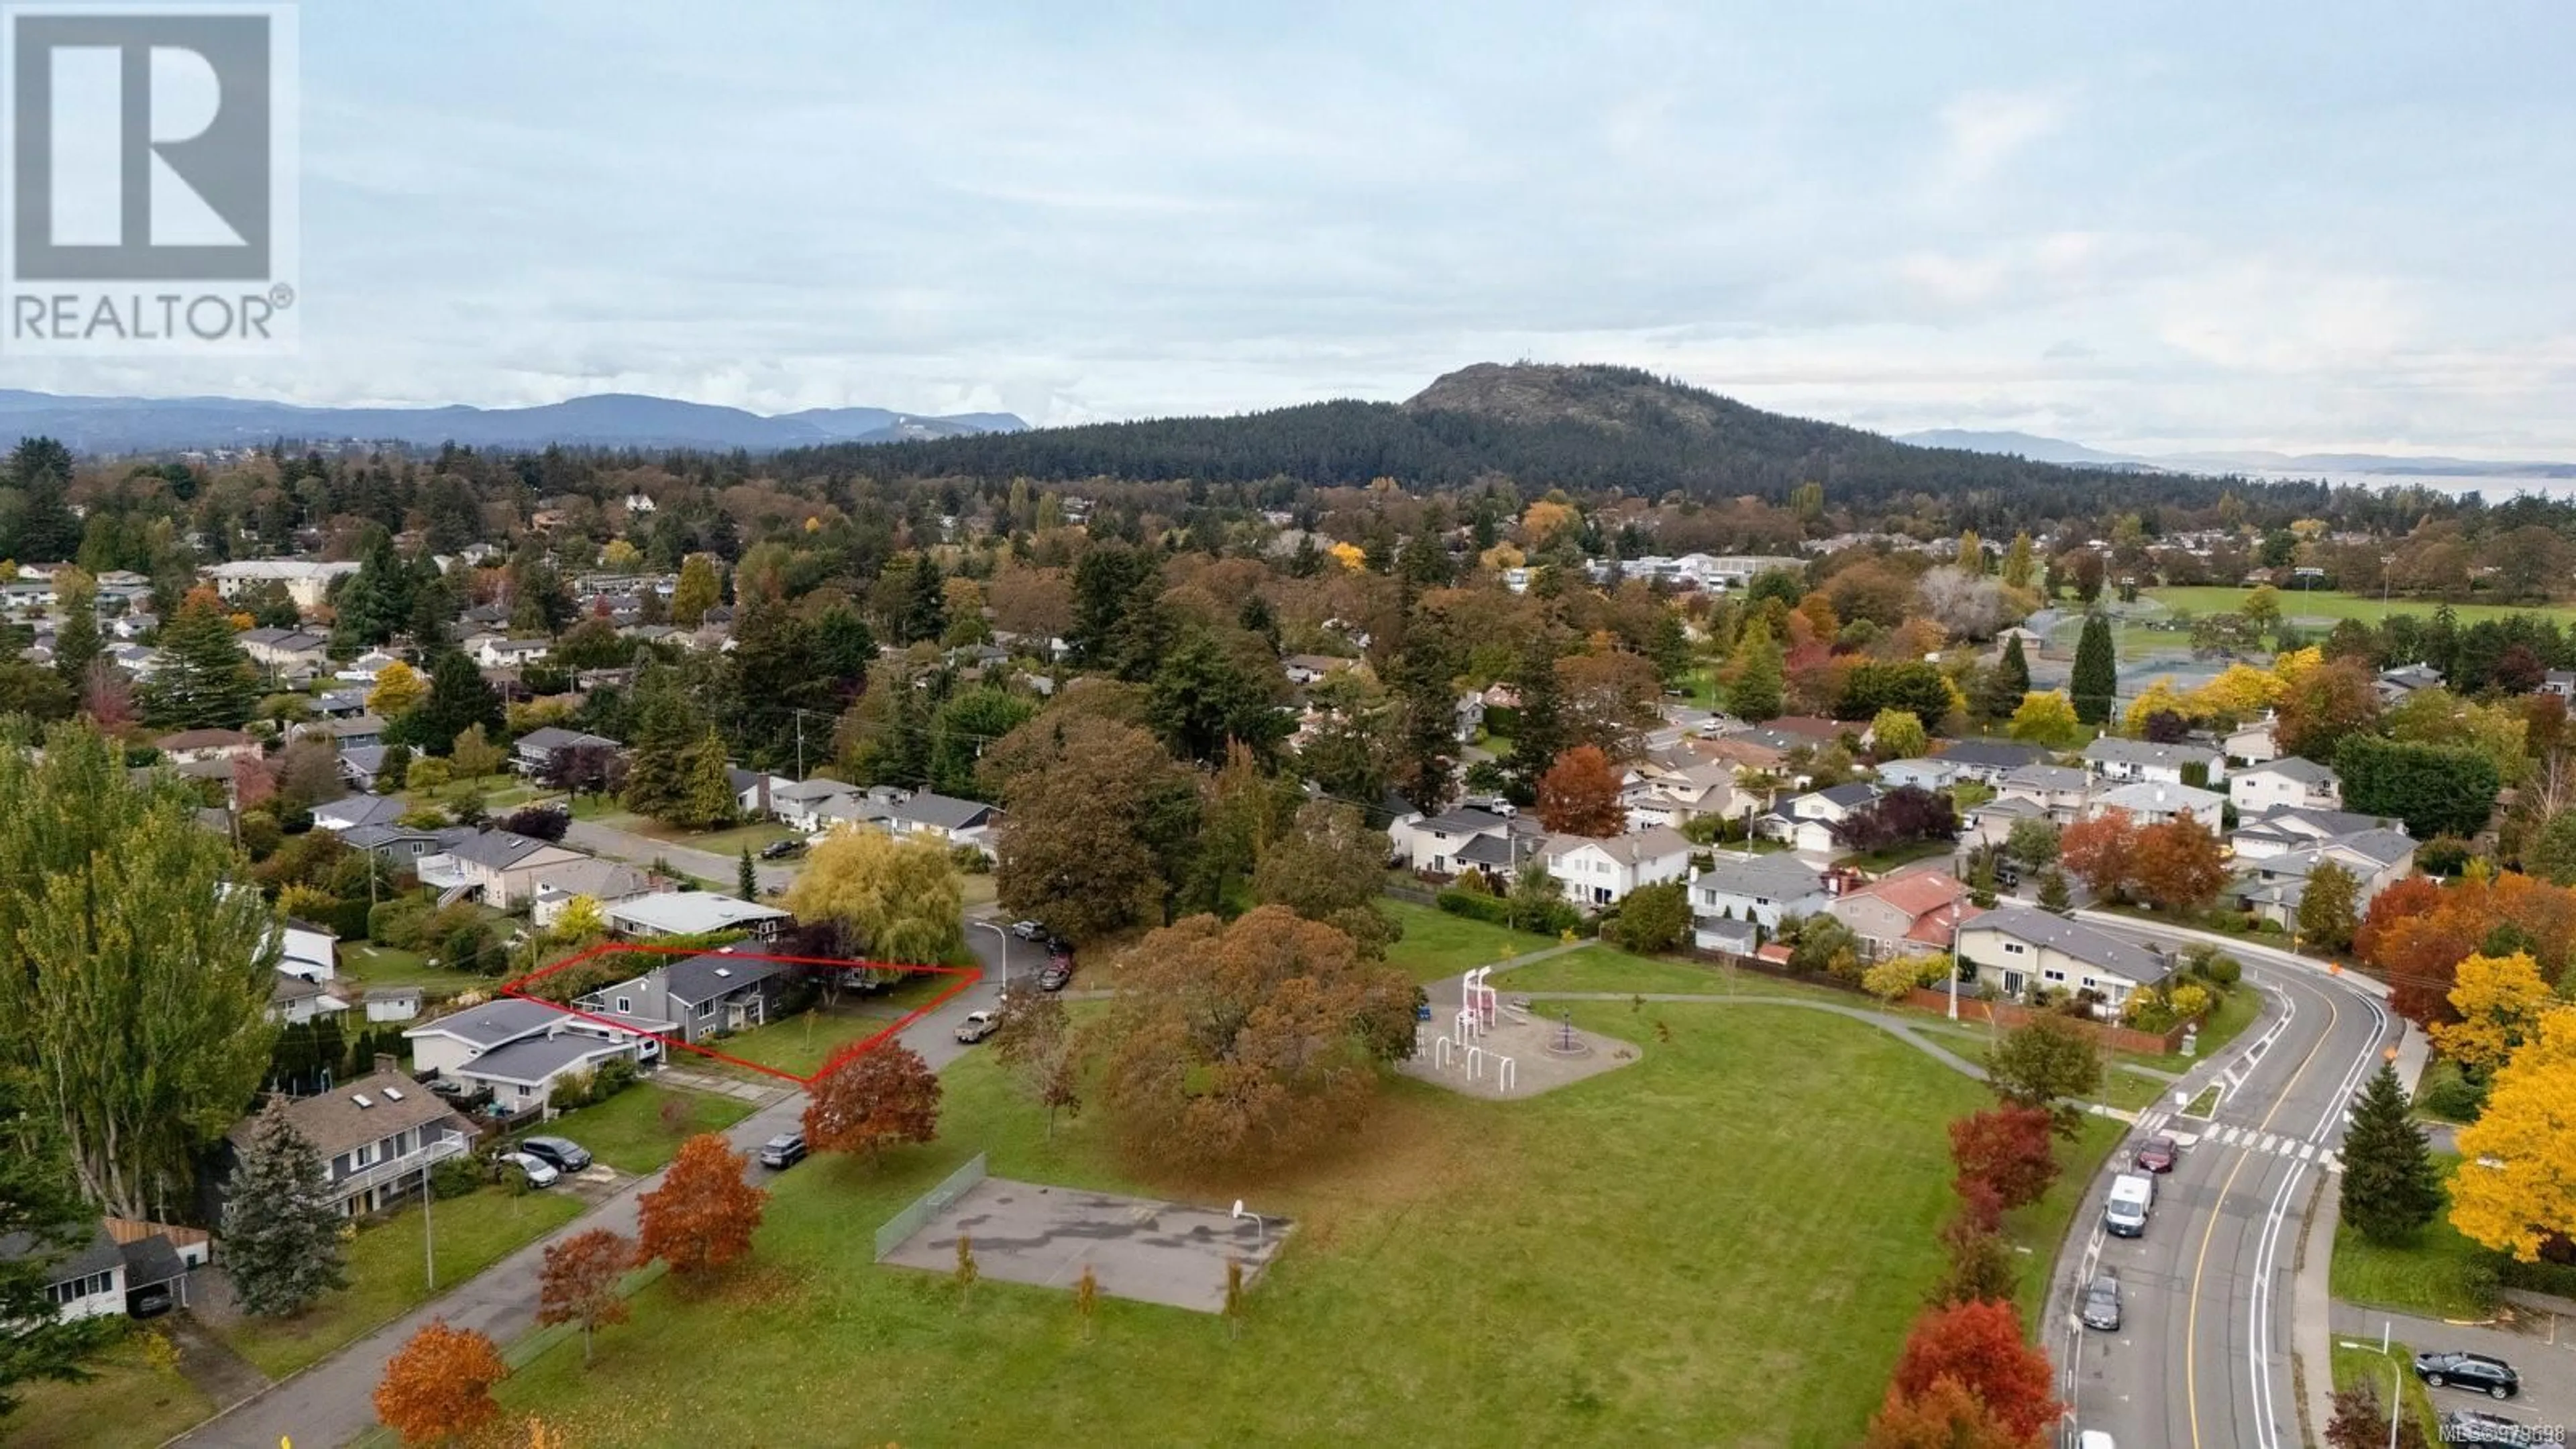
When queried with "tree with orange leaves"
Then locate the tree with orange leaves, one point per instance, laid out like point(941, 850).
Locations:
point(439, 1385)
point(1980, 1345)
point(1579, 794)
point(2177, 865)
point(877, 1097)
point(2399, 901)
point(1945, 1416)
point(581, 1281)
point(2416, 934)
point(2100, 850)
point(702, 1216)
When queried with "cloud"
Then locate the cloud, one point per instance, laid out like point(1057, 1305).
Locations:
point(1983, 130)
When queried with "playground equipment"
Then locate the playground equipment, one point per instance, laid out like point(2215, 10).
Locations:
point(1479, 997)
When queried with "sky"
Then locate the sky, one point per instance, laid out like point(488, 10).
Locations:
point(2303, 226)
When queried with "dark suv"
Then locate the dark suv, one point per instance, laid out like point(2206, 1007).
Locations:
point(561, 1154)
point(2473, 1371)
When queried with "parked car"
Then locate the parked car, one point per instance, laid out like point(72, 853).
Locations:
point(538, 1171)
point(2159, 1154)
point(978, 1025)
point(783, 1151)
point(2102, 1303)
point(781, 849)
point(2468, 1426)
point(2473, 1371)
point(1057, 973)
point(150, 1302)
point(1027, 930)
point(560, 1153)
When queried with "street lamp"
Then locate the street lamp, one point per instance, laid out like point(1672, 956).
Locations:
point(2396, 1380)
point(1006, 949)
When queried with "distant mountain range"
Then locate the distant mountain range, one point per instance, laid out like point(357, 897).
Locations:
point(607, 420)
point(2075, 455)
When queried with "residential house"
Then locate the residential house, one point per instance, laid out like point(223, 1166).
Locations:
point(1988, 761)
point(1446, 844)
point(1671, 787)
point(523, 1050)
point(2291, 784)
point(754, 791)
point(928, 815)
point(378, 1136)
point(1905, 915)
point(2058, 790)
point(365, 668)
point(1928, 773)
point(1808, 729)
point(340, 703)
point(363, 767)
point(698, 997)
point(196, 747)
point(399, 845)
point(2157, 804)
point(693, 913)
point(1764, 889)
point(1808, 822)
point(1305, 669)
point(494, 652)
point(798, 801)
point(1601, 872)
point(2121, 761)
point(2296, 828)
point(2560, 682)
point(294, 1000)
point(2274, 884)
point(394, 1003)
point(2395, 684)
point(307, 950)
point(534, 753)
point(288, 652)
point(352, 732)
point(499, 865)
point(1991, 822)
point(2254, 744)
point(349, 812)
point(88, 1282)
point(554, 887)
point(2020, 951)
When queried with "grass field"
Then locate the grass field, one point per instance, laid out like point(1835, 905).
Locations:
point(127, 1401)
point(387, 1277)
point(1722, 1243)
point(801, 1044)
point(2358, 1363)
point(1438, 944)
point(626, 1131)
point(2439, 1276)
point(2334, 604)
point(378, 966)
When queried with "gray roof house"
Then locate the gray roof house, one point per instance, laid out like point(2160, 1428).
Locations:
point(697, 997)
point(692, 913)
point(354, 810)
point(1761, 888)
point(535, 751)
point(2120, 760)
point(1990, 760)
point(87, 1282)
point(1440, 845)
point(2021, 951)
point(380, 1135)
point(522, 1049)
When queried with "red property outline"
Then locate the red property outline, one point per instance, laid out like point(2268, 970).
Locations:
point(968, 976)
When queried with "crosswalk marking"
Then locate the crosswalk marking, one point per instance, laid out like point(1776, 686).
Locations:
point(2307, 1152)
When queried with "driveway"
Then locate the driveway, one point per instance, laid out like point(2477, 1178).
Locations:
point(332, 1402)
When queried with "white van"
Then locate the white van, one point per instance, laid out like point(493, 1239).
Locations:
point(2132, 1194)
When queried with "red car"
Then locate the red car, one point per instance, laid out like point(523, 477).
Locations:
point(2158, 1154)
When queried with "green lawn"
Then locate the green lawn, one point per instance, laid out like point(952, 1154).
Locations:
point(386, 1274)
point(1879, 862)
point(802, 1044)
point(126, 1401)
point(627, 1131)
point(731, 842)
point(1601, 1264)
point(1438, 944)
point(2336, 604)
point(2360, 1361)
point(2235, 1011)
point(378, 966)
point(2439, 1276)
point(1607, 968)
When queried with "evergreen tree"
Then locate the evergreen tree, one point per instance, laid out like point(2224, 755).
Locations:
point(1203, 697)
point(2390, 1189)
point(372, 603)
point(76, 643)
point(925, 607)
point(776, 685)
point(665, 728)
point(1544, 731)
point(281, 1238)
point(459, 699)
point(205, 680)
point(2053, 892)
point(1755, 695)
point(844, 647)
point(40, 1211)
point(2095, 684)
point(46, 530)
point(746, 878)
point(706, 785)
point(2012, 676)
point(696, 592)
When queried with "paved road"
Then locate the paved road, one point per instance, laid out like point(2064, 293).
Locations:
point(2546, 1358)
point(331, 1403)
point(2203, 1357)
point(634, 849)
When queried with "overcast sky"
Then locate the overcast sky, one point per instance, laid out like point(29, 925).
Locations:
point(2341, 225)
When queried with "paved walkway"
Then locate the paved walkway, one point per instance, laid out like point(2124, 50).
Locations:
point(698, 1079)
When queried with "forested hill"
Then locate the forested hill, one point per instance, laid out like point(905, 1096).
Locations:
point(1580, 428)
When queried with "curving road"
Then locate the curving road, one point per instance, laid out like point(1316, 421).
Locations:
point(2202, 1358)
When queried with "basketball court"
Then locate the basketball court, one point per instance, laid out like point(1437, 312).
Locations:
point(1138, 1248)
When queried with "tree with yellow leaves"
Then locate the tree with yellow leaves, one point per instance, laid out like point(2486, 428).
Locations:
point(2500, 1000)
point(2516, 1187)
point(1503, 556)
point(2159, 698)
point(1545, 519)
point(399, 690)
point(2290, 668)
point(2240, 692)
point(1349, 555)
point(2047, 717)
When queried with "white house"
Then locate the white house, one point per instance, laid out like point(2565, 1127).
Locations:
point(798, 801)
point(1806, 822)
point(1764, 889)
point(693, 913)
point(522, 1050)
point(88, 1283)
point(608, 882)
point(1926, 773)
point(1988, 761)
point(1446, 844)
point(2285, 784)
point(2253, 744)
point(2155, 804)
point(2056, 790)
point(2120, 761)
point(196, 747)
point(2021, 950)
point(499, 653)
point(379, 1137)
point(307, 581)
point(1602, 872)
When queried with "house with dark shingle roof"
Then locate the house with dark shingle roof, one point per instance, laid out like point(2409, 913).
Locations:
point(1764, 889)
point(378, 1137)
point(2022, 951)
point(698, 997)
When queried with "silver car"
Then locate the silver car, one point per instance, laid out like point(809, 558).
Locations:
point(539, 1172)
point(2102, 1304)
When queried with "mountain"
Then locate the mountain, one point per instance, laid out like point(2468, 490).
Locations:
point(604, 420)
point(1584, 428)
point(2021, 445)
